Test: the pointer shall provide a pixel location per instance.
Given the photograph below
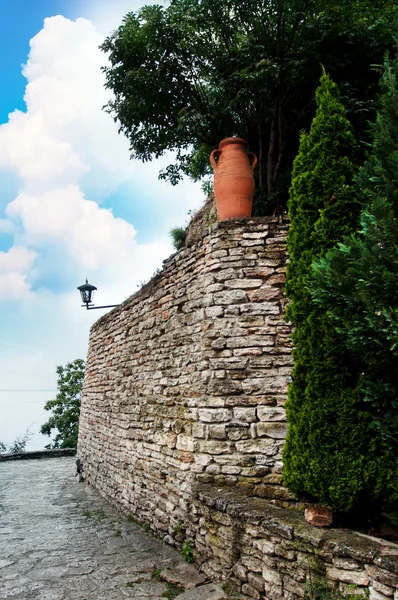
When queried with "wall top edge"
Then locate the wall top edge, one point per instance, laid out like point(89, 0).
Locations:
point(229, 225)
point(289, 523)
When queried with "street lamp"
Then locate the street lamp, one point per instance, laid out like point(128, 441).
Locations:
point(87, 292)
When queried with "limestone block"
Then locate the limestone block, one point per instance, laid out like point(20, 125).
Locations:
point(383, 576)
point(230, 470)
point(293, 586)
point(265, 546)
point(250, 341)
point(376, 595)
point(213, 447)
point(198, 430)
point(185, 442)
point(271, 413)
point(273, 430)
point(255, 235)
point(272, 576)
point(354, 577)
point(230, 297)
point(243, 284)
point(266, 385)
point(217, 432)
point(240, 572)
point(256, 581)
point(202, 459)
point(266, 294)
point(252, 563)
point(225, 387)
point(215, 287)
point(213, 312)
point(225, 274)
point(213, 469)
point(274, 592)
point(260, 308)
point(248, 590)
point(346, 563)
point(215, 415)
point(228, 363)
point(259, 272)
point(244, 414)
point(249, 352)
point(263, 446)
point(383, 589)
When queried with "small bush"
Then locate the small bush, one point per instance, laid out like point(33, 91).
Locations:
point(178, 235)
point(187, 552)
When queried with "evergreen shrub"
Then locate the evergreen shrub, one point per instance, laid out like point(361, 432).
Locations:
point(323, 458)
point(356, 285)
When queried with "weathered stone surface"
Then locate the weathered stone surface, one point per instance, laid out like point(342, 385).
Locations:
point(383, 589)
point(272, 576)
point(376, 595)
point(204, 592)
point(64, 542)
point(186, 385)
point(276, 547)
point(271, 413)
point(318, 516)
point(354, 577)
point(273, 430)
point(186, 576)
point(171, 377)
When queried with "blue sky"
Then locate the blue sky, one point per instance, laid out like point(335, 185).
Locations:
point(72, 204)
point(21, 20)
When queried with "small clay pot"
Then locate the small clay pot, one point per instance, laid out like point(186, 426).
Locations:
point(233, 178)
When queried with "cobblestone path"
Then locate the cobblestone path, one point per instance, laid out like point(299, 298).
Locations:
point(59, 540)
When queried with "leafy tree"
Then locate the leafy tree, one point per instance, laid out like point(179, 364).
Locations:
point(66, 406)
point(356, 284)
point(320, 456)
point(185, 76)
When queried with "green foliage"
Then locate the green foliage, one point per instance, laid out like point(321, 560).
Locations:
point(356, 285)
point(156, 574)
point(187, 75)
point(66, 406)
point(187, 552)
point(18, 445)
point(322, 457)
point(178, 235)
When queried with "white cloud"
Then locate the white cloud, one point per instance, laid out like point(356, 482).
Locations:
point(65, 148)
point(14, 266)
point(16, 258)
point(68, 157)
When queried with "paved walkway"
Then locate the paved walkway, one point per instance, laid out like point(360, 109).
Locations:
point(59, 540)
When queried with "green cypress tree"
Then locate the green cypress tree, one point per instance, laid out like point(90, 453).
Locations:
point(321, 461)
point(357, 284)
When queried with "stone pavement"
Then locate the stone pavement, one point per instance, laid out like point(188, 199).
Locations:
point(59, 540)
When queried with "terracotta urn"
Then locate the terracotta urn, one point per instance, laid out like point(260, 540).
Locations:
point(233, 178)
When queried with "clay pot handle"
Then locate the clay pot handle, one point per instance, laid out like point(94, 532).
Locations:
point(255, 161)
point(213, 158)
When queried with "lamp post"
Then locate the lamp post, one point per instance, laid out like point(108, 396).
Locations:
point(87, 292)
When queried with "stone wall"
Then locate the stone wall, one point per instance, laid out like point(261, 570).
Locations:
point(264, 550)
point(186, 380)
point(183, 422)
